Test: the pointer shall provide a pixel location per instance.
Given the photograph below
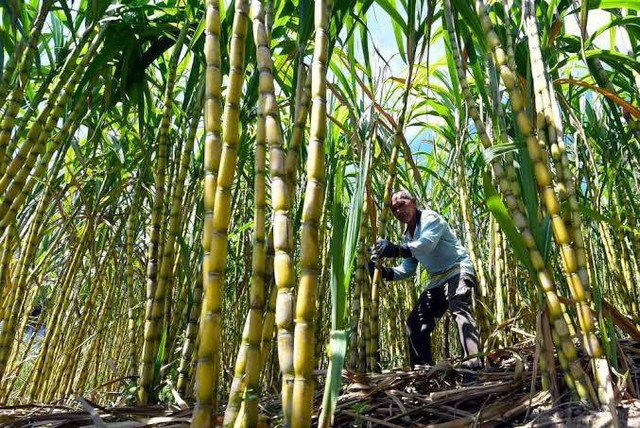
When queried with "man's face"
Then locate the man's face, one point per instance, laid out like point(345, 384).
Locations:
point(403, 209)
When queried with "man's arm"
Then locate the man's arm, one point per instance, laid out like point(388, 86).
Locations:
point(405, 270)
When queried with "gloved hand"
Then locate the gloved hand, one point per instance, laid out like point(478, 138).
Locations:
point(387, 273)
point(385, 248)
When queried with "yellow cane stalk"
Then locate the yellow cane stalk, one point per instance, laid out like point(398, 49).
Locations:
point(574, 375)
point(11, 203)
point(5, 259)
point(20, 279)
point(571, 241)
point(16, 173)
point(267, 132)
point(58, 383)
point(211, 304)
point(9, 69)
point(303, 91)
point(189, 345)
point(247, 368)
point(374, 327)
point(215, 232)
point(131, 300)
point(303, 354)
point(17, 95)
point(42, 368)
point(361, 277)
point(155, 295)
point(269, 319)
point(283, 269)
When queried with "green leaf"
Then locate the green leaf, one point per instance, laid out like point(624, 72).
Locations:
point(197, 33)
point(364, 45)
point(605, 219)
point(390, 7)
point(67, 13)
point(400, 42)
point(617, 60)
point(338, 349)
point(489, 154)
point(455, 82)
point(157, 364)
point(627, 22)
point(338, 295)
point(469, 17)
point(614, 4)
point(353, 222)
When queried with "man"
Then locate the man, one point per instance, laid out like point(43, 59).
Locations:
point(429, 240)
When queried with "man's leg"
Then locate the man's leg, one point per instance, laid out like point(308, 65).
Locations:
point(431, 306)
point(459, 296)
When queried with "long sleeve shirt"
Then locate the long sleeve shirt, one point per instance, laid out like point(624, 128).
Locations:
point(434, 245)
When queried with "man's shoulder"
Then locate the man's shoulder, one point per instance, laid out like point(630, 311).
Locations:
point(428, 216)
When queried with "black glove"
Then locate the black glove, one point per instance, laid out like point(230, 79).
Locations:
point(385, 248)
point(387, 273)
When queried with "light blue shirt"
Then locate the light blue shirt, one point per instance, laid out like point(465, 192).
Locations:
point(434, 244)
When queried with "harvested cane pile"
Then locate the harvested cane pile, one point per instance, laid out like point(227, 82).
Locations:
point(439, 394)
point(502, 394)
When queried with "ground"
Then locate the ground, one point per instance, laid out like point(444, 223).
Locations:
point(502, 394)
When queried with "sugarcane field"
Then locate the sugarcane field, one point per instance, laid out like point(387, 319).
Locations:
point(329, 213)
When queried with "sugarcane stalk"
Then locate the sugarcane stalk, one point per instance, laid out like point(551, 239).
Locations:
point(165, 279)
point(499, 276)
point(626, 262)
point(7, 334)
point(471, 238)
point(301, 112)
point(27, 118)
point(131, 299)
point(12, 202)
point(634, 239)
point(567, 236)
point(216, 229)
point(268, 134)
point(61, 383)
point(304, 343)
point(247, 367)
point(5, 257)
point(283, 269)
point(155, 295)
point(574, 375)
point(321, 328)
point(17, 94)
point(184, 372)
point(269, 318)
point(16, 173)
point(356, 304)
point(21, 278)
point(42, 368)
point(9, 69)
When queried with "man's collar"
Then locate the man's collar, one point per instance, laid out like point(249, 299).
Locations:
point(406, 228)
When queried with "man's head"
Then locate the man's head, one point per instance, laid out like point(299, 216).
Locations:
point(403, 206)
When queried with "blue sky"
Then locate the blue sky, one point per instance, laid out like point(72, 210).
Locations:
point(381, 37)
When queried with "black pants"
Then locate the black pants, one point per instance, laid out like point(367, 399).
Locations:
point(454, 295)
